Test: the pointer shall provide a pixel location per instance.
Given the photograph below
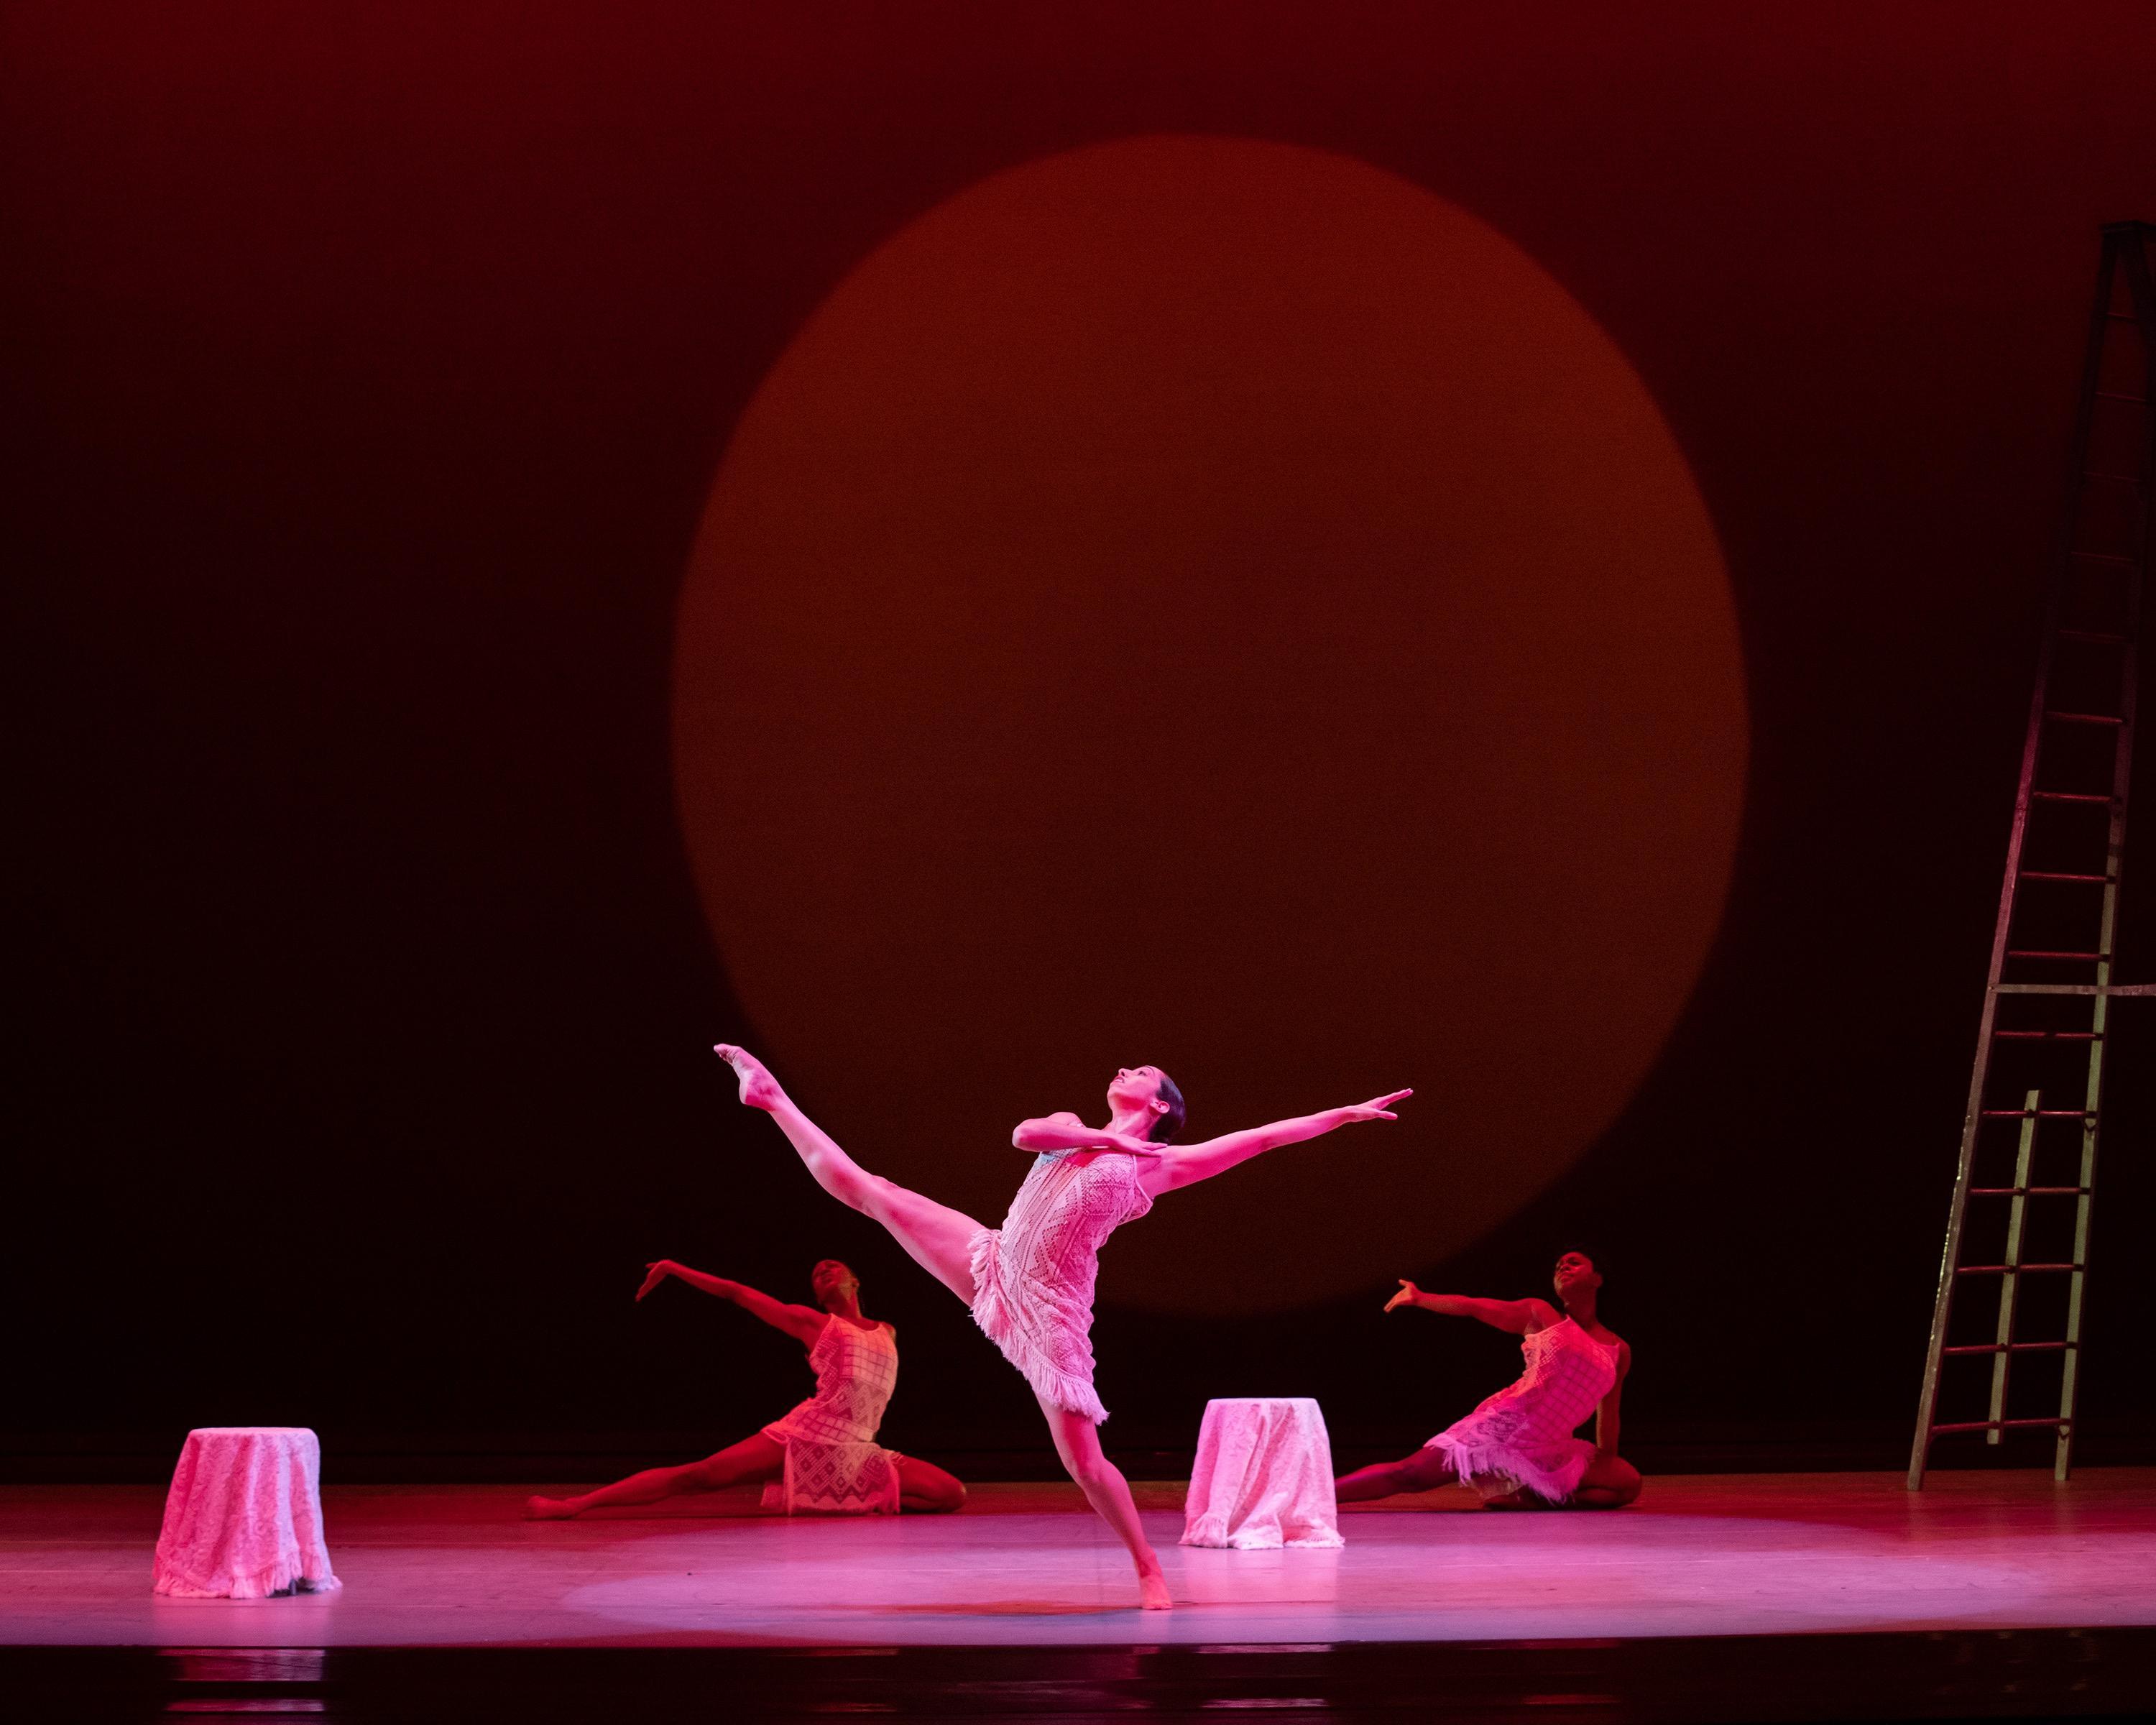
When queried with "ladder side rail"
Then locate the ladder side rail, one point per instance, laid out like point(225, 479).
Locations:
point(2017, 1213)
point(2031, 748)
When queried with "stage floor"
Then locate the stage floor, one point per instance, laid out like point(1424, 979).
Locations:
point(1028, 1566)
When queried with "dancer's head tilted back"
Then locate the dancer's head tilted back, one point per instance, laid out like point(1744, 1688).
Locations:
point(838, 1289)
point(1151, 1092)
point(1576, 1278)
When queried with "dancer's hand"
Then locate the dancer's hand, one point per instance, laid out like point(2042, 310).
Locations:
point(1408, 1295)
point(655, 1274)
point(1380, 1109)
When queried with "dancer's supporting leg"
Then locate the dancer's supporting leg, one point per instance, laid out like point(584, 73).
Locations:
point(1422, 1471)
point(937, 1238)
point(754, 1458)
point(1078, 1443)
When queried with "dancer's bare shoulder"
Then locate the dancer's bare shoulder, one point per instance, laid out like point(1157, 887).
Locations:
point(1540, 1315)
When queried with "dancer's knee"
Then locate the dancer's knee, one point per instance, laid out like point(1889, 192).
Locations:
point(1611, 1484)
point(710, 1475)
point(932, 1493)
point(1423, 1471)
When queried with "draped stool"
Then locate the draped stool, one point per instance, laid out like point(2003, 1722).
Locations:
point(1263, 1476)
point(243, 1519)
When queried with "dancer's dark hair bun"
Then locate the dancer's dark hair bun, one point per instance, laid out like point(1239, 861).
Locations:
point(1166, 1126)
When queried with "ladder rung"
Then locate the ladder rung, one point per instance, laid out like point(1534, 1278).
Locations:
point(2122, 479)
point(2014, 1268)
point(2120, 395)
point(2002, 1425)
point(2095, 637)
point(2054, 874)
point(2038, 1113)
point(2016, 1348)
point(2129, 991)
point(2070, 797)
point(2078, 957)
point(2105, 556)
point(2029, 1191)
point(2067, 718)
point(2049, 1035)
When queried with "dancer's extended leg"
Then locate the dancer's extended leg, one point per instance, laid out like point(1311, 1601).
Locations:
point(1419, 1472)
point(939, 1239)
point(1078, 1443)
point(755, 1458)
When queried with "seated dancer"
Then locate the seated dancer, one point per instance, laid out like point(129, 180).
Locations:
point(1029, 1283)
point(824, 1455)
point(1517, 1449)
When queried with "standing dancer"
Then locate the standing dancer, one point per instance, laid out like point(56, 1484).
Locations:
point(1517, 1449)
point(824, 1455)
point(1030, 1283)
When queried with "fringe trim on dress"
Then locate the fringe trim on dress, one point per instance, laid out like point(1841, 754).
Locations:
point(992, 1312)
point(1494, 1469)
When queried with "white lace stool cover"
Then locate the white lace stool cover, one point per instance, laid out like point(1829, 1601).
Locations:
point(1263, 1476)
point(243, 1519)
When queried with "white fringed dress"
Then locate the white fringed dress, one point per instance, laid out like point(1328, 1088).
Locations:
point(833, 1464)
point(1523, 1434)
point(1033, 1277)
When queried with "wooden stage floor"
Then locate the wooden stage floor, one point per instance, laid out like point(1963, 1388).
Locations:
point(1771, 1580)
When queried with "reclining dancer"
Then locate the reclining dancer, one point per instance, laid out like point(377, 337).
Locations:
point(1517, 1449)
point(824, 1455)
point(1029, 1283)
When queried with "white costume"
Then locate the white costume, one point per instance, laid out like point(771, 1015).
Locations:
point(1523, 1434)
point(1033, 1278)
point(833, 1462)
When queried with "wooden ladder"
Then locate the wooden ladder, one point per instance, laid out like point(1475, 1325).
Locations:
point(2046, 1001)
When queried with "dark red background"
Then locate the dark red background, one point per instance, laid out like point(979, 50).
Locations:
point(367, 368)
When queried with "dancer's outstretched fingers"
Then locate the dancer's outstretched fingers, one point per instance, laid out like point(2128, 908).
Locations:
point(1379, 1107)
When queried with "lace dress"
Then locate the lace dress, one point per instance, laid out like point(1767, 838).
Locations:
point(1523, 1434)
point(1033, 1277)
point(833, 1462)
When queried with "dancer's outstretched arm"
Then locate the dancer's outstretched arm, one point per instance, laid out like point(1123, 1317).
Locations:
point(804, 1323)
point(1518, 1317)
point(1173, 1165)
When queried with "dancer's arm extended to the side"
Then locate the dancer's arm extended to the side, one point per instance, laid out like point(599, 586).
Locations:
point(1606, 1416)
point(804, 1323)
point(1175, 1165)
point(1517, 1316)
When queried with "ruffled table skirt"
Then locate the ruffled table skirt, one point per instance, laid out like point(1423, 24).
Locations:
point(1263, 1476)
point(243, 1519)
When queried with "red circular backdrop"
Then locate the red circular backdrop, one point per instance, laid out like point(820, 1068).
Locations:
point(1215, 603)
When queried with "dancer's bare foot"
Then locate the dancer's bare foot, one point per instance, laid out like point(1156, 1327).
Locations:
point(549, 1509)
point(1152, 1592)
point(759, 1088)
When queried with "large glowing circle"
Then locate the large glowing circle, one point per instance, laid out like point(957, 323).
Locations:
point(1213, 604)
